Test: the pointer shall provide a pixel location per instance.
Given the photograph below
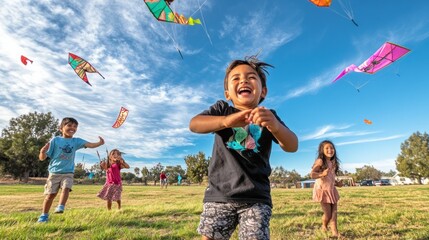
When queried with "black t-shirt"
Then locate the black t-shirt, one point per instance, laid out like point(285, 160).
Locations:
point(238, 174)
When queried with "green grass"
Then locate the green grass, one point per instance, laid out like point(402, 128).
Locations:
point(149, 212)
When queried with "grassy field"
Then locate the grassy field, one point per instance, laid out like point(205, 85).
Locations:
point(400, 212)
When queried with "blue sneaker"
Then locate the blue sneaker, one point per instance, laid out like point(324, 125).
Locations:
point(43, 218)
point(59, 209)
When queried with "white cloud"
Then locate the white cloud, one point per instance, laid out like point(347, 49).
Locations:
point(332, 131)
point(370, 140)
point(256, 33)
point(121, 48)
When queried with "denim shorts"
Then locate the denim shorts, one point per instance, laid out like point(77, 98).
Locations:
point(219, 220)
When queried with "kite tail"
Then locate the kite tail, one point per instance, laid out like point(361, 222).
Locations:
point(100, 75)
point(180, 52)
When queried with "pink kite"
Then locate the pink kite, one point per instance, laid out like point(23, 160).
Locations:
point(384, 56)
point(123, 113)
point(25, 60)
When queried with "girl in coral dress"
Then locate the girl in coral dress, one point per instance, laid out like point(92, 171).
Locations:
point(324, 170)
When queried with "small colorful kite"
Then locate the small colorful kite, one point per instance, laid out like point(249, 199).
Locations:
point(384, 56)
point(369, 122)
point(81, 67)
point(345, 6)
point(25, 60)
point(123, 113)
point(161, 10)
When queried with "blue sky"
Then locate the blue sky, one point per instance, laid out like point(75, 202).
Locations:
point(309, 47)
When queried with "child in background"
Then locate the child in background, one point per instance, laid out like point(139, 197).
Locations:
point(239, 190)
point(163, 179)
point(61, 150)
point(112, 189)
point(324, 170)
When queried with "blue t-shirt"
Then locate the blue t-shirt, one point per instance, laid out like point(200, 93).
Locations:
point(62, 152)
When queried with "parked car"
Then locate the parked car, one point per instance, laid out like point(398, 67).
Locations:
point(367, 183)
point(385, 182)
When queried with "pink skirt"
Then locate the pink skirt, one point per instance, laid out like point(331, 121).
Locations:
point(326, 196)
point(110, 192)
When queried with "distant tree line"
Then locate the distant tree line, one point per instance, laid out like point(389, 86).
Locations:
point(21, 141)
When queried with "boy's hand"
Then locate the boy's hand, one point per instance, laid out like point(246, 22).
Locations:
point(264, 118)
point(101, 142)
point(238, 119)
point(45, 148)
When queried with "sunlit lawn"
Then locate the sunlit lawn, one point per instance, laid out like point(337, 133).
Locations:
point(400, 212)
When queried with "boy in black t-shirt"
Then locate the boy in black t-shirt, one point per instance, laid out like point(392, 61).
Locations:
point(239, 188)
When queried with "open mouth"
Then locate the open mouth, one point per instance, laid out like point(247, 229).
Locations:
point(244, 90)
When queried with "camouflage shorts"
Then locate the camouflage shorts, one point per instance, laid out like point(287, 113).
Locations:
point(219, 220)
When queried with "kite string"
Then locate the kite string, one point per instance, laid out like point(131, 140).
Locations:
point(199, 7)
point(176, 45)
point(347, 8)
point(339, 14)
point(203, 21)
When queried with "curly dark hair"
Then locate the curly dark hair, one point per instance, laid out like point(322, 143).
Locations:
point(253, 62)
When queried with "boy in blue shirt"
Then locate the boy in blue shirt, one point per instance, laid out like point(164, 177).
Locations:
point(61, 151)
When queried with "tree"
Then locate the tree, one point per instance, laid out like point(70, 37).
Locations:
point(285, 177)
point(137, 171)
point(127, 176)
point(22, 141)
point(391, 173)
point(277, 175)
point(197, 167)
point(293, 177)
point(97, 170)
point(413, 161)
point(79, 171)
point(146, 175)
point(156, 171)
point(367, 172)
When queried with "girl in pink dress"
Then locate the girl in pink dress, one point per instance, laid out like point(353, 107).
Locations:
point(324, 170)
point(112, 189)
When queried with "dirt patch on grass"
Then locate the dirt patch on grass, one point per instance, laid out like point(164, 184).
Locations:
point(31, 180)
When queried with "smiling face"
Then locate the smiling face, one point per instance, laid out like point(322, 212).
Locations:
point(244, 87)
point(328, 150)
point(115, 155)
point(68, 129)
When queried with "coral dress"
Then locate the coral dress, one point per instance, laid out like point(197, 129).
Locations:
point(324, 190)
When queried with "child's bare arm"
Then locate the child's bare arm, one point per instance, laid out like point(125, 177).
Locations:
point(208, 123)
point(42, 153)
point(287, 139)
point(96, 144)
point(316, 171)
point(124, 164)
point(103, 165)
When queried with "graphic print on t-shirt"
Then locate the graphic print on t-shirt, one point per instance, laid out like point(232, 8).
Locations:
point(65, 152)
point(245, 138)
